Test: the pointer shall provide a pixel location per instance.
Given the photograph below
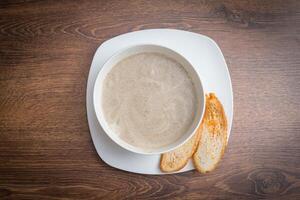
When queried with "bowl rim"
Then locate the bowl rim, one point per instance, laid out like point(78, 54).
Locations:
point(97, 95)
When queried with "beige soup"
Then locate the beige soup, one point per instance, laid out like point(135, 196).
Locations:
point(149, 100)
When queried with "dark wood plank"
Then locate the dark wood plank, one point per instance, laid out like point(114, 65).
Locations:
point(46, 49)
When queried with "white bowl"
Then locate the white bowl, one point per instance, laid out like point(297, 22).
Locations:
point(112, 61)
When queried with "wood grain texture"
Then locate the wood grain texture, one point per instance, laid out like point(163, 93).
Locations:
point(46, 48)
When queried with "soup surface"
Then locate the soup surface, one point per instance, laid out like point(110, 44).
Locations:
point(149, 100)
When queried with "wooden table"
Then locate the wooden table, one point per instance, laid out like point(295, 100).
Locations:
point(46, 49)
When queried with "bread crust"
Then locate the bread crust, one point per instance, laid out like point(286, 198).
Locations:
point(178, 158)
point(215, 124)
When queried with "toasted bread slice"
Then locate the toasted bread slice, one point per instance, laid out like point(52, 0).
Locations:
point(177, 159)
point(213, 139)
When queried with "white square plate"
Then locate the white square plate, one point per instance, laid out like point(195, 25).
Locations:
point(200, 50)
